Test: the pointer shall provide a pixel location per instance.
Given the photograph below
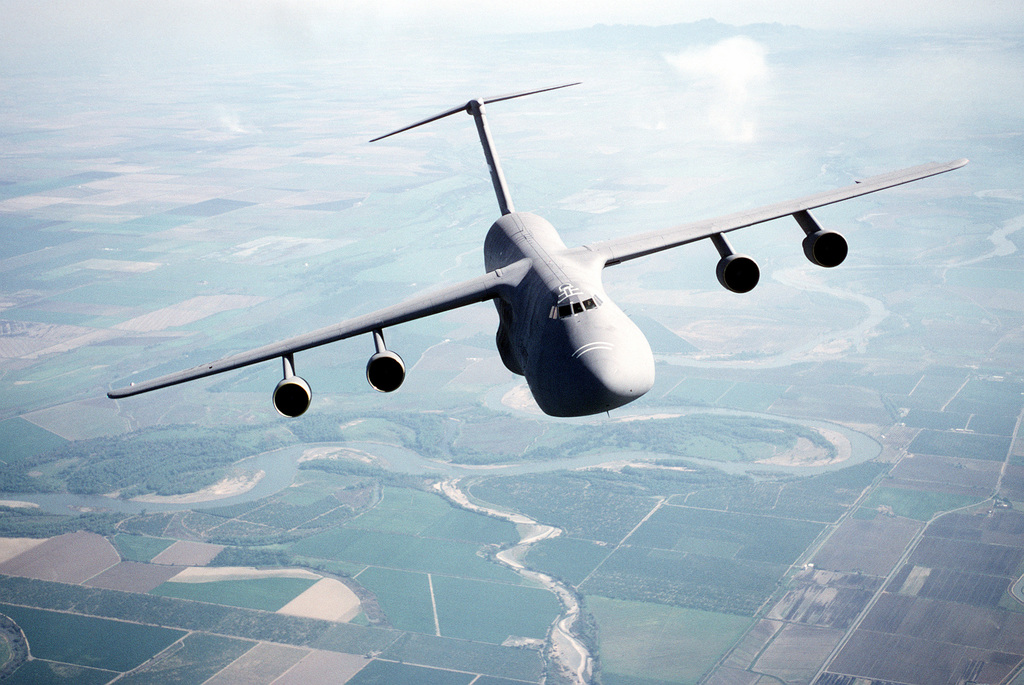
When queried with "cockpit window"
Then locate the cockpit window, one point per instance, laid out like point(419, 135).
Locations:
point(573, 306)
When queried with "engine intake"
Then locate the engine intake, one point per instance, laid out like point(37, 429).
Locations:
point(292, 397)
point(385, 371)
point(736, 272)
point(824, 248)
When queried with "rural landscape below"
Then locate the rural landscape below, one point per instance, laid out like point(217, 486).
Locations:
point(824, 486)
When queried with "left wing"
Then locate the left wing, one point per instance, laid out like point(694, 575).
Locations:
point(623, 249)
point(485, 287)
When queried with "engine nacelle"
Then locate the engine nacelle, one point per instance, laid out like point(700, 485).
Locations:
point(385, 371)
point(825, 248)
point(292, 397)
point(738, 273)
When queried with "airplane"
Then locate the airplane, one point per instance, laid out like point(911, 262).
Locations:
point(580, 353)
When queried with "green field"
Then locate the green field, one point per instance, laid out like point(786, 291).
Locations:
point(51, 673)
point(568, 559)
point(981, 396)
point(379, 672)
point(963, 445)
point(472, 657)
point(649, 641)
point(698, 391)
point(481, 611)
point(23, 439)
point(920, 505)
point(584, 505)
point(201, 656)
point(429, 555)
point(89, 641)
point(284, 515)
point(752, 396)
point(821, 498)
point(404, 597)
point(718, 533)
point(491, 612)
point(696, 581)
point(139, 547)
point(413, 512)
point(267, 594)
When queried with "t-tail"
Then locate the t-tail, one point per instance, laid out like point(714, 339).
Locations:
point(475, 108)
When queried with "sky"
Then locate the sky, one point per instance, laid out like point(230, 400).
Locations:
point(528, 15)
point(67, 33)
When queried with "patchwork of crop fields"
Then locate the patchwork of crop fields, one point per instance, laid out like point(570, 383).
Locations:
point(463, 615)
point(698, 566)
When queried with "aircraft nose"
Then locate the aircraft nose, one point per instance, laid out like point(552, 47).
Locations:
point(616, 378)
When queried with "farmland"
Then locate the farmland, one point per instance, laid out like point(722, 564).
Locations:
point(89, 641)
point(139, 547)
point(492, 612)
point(268, 594)
point(914, 504)
point(670, 644)
point(654, 548)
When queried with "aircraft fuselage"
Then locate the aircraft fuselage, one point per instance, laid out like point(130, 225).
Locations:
point(579, 352)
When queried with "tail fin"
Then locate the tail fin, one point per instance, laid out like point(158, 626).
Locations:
point(475, 108)
point(468, 107)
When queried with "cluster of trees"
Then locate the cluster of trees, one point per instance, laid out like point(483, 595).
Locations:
point(687, 580)
point(251, 556)
point(344, 467)
point(15, 639)
point(166, 461)
point(32, 523)
point(716, 436)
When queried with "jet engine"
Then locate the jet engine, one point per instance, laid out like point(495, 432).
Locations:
point(736, 272)
point(385, 371)
point(292, 395)
point(824, 248)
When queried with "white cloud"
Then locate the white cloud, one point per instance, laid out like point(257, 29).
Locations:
point(728, 79)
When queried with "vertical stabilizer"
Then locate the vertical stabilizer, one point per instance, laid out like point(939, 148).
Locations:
point(475, 108)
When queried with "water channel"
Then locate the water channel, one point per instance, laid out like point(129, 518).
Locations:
point(281, 466)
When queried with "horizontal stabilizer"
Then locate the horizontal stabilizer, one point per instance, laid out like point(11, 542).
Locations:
point(466, 107)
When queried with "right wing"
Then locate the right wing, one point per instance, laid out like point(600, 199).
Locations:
point(485, 287)
point(619, 250)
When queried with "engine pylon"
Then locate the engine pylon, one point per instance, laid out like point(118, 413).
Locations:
point(292, 395)
point(736, 272)
point(821, 247)
point(385, 371)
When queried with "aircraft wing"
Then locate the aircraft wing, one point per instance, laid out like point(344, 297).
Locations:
point(479, 289)
point(630, 247)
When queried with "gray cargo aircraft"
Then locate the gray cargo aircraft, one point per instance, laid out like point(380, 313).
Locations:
point(579, 352)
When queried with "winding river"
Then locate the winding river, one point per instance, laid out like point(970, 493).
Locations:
point(281, 466)
point(278, 469)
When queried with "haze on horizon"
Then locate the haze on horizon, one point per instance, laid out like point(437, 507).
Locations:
point(67, 36)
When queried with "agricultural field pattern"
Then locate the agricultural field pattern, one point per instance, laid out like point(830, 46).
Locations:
point(825, 485)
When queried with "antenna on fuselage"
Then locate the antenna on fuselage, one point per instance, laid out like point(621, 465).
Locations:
point(475, 108)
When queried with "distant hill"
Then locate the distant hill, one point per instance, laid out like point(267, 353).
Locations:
point(619, 36)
